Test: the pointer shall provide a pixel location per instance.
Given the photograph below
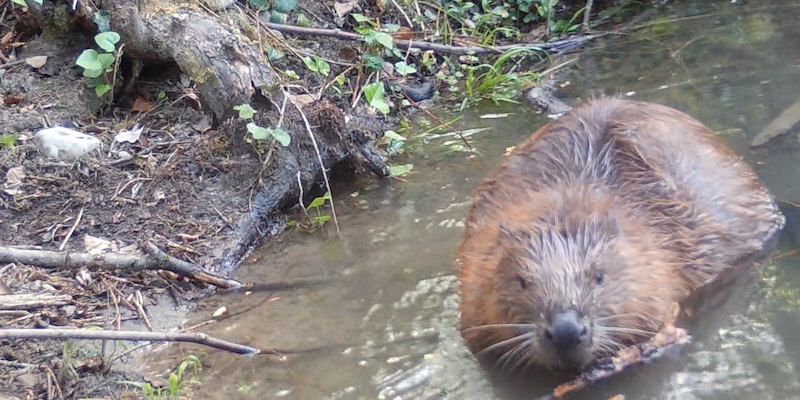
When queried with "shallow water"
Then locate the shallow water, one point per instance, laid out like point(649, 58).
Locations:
point(390, 304)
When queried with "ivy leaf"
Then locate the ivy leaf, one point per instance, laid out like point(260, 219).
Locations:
point(281, 136)
point(258, 132)
point(245, 111)
point(102, 89)
point(88, 60)
point(107, 40)
point(376, 96)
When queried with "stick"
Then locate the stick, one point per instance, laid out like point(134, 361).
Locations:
point(556, 46)
point(319, 158)
point(86, 334)
point(155, 259)
point(29, 301)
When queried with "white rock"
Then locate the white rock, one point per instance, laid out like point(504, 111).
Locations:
point(64, 143)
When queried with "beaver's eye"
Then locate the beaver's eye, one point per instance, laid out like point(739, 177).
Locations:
point(522, 282)
point(600, 278)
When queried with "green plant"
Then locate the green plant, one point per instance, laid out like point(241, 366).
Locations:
point(100, 68)
point(493, 82)
point(246, 112)
point(313, 222)
point(376, 96)
point(316, 64)
point(8, 140)
point(177, 384)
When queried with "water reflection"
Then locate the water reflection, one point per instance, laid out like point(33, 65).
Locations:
point(391, 303)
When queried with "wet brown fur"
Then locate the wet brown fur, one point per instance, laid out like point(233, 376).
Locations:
point(642, 194)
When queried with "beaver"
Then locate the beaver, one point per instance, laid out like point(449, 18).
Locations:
point(583, 238)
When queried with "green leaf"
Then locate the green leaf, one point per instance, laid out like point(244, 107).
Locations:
point(400, 170)
point(92, 73)
point(316, 64)
point(8, 140)
point(274, 54)
point(107, 40)
point(245, 111)
point(106, 60)
point(362, 18)
point(103, 20)
point(259, 4)
point(303, 21)
point(404, 69)
point(258, 132)
point(383, 38)
point(393, 135)
point(376, 96)
point(291, 74)
point(278, 17)
point(372, 62)
point(261, 133)
point(318, 202)
point(363, 30)
point(281, 136)
point(88, 60)
point(285, 6)
point(102, 89)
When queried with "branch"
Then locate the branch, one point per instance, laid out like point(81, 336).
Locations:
point(155, 259)
point(86, 334)
point(28, 301)
point(556, 46)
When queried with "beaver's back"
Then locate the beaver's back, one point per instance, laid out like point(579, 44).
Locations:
point(658, 164)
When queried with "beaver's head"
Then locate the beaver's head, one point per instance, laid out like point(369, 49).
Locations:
point(574, 285)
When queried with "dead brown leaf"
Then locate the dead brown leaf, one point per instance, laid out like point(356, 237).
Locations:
point(142, 105)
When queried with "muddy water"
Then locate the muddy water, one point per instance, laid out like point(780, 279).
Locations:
point(384, 324)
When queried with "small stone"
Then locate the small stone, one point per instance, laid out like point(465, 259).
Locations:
point(64, 143)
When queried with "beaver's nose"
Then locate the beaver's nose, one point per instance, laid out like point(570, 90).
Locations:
point(566, 330)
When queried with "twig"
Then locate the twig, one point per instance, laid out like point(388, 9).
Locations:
point(587, 14)
point(319, 158)
point(86, 334)
point(155, 259)
point(72, 229)
point(556, 46)
point(410, 24)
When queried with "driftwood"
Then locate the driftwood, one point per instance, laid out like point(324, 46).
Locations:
point(780, 125)
point(29, 301)
point(86, 334)
point(154, 260)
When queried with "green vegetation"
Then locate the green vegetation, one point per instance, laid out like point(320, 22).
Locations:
point(314, 218)
point(177, 385)
point(100, 68)
point(246, 112)
point(8, 140)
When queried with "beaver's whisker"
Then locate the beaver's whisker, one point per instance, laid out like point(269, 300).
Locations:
point(514, 339)
point(623, 315)
point(619, 329)
point(492, 326)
